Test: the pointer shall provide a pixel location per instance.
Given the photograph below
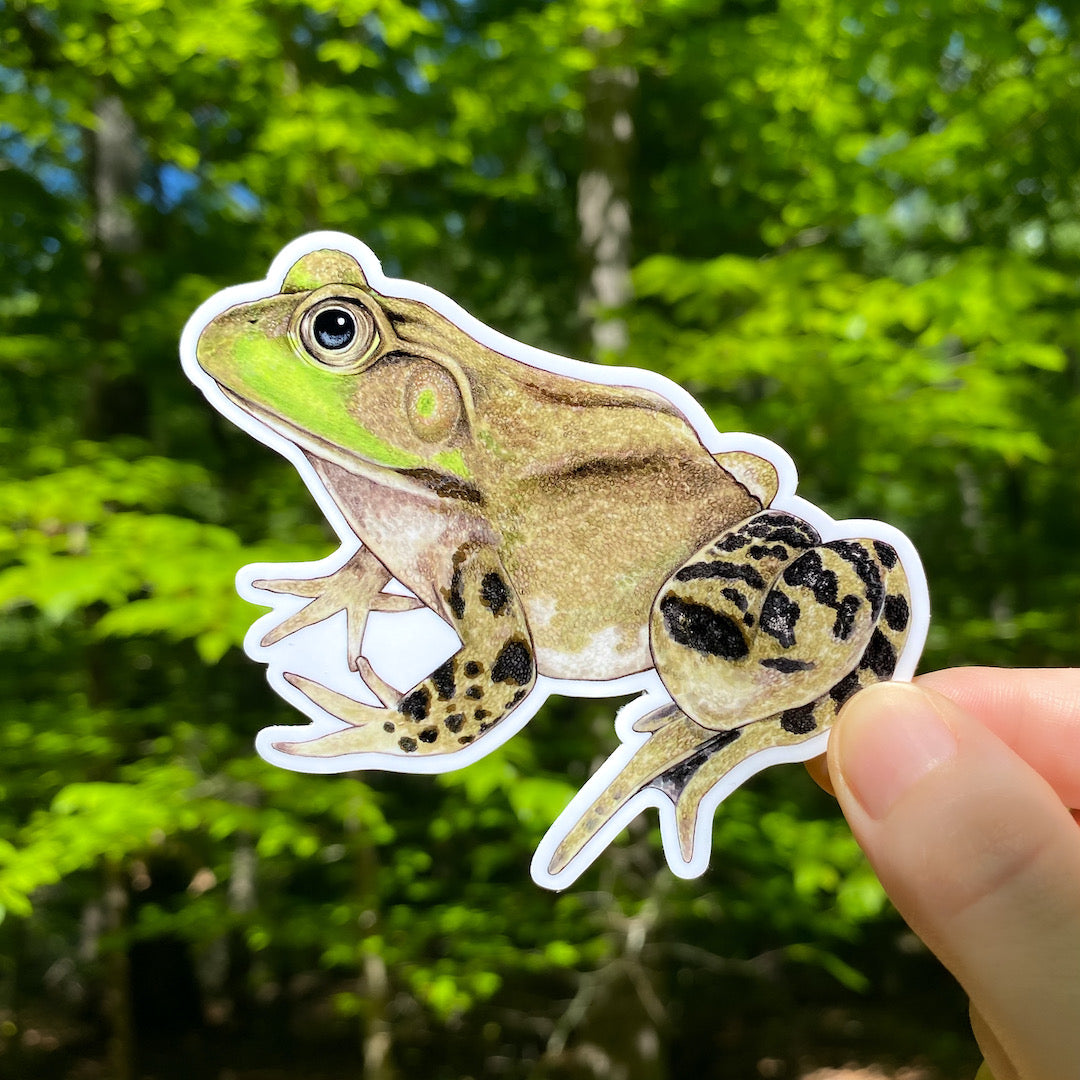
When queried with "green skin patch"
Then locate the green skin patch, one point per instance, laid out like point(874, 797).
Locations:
point(272, 377)
point(452, 461)
point(425, 403)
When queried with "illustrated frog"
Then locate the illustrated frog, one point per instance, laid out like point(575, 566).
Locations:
point(566, 528)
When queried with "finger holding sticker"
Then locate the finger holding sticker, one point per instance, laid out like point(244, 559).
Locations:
point(963, 790)
point(574, 529)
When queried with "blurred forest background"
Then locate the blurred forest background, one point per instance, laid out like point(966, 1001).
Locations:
point(853, 227)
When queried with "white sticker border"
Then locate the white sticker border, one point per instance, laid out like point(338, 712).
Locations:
point(312, 660)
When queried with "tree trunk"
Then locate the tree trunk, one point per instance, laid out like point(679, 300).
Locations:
point(374, 982)
point(118, 978)
point(242, 896)
point(114, 166)
point(115, 403)
point(603, 205)
point(116, 169)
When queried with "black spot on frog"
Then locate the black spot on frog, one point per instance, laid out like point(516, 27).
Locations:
point(442, 679)
point(494, 594)
point(699, 627)
point(416, 704)
point(513, 664)
point(779, 614)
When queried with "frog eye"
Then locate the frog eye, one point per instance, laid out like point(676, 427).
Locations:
point(333, 328)
point(338, 334)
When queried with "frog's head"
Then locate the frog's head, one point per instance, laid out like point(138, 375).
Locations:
point(351, 376)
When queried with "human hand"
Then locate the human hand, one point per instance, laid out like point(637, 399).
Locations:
point(963, 791)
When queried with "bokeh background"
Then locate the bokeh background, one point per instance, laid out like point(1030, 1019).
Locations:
point(853, 227)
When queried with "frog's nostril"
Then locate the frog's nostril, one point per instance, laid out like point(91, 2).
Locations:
point(253, 321)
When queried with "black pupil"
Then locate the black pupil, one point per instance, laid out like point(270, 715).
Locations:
point(334, 328)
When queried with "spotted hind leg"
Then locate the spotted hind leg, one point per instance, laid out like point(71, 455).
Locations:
point(768, 618)
point(845, 604)
point(688, 783)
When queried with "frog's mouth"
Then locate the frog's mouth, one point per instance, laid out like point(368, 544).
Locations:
point(410, 473)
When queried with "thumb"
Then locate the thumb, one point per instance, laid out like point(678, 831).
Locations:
point(979, 855)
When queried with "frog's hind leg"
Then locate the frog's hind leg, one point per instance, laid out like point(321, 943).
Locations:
point(768, 618)
point(690, 781)
point(673, 737)
point(460, 700)
point(781, 631)
point(686, 756)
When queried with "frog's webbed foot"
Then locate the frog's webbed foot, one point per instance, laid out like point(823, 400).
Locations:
point(687, 783)
point(357, 714)
point(371, 729)
point(356, 589)
point(685, 761)
point(462, 699)
point(673, 738)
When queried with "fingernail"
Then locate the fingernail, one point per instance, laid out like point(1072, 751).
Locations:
point(891, 736)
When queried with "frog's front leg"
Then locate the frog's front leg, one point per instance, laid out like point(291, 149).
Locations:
point(463, 698)
point(355, 588)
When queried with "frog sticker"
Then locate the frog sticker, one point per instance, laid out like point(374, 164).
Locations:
point(515, 524)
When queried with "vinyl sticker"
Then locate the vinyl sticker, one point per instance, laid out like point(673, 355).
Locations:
point(515, 524)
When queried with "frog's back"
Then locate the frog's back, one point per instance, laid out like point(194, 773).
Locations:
point(624, 492)
point(596, 491)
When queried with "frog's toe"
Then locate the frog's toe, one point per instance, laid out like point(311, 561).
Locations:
point(657, 719)
point(355, 713)
point(299, 749)
point(352, 740)
point(308, 615)
point(309, 587)
point(369, 730)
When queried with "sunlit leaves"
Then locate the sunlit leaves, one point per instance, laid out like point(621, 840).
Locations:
point(76, 546)
point(89, 822)
point(939, 361)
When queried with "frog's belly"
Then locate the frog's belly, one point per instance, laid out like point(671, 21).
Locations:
point(588, 651)
point(590, 564)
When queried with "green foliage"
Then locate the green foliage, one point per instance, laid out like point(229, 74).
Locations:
point(855, 231)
